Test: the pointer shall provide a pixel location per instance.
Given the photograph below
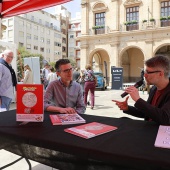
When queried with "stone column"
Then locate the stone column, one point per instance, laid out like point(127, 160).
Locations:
point(148, 49)
point(116, 14)
point(114, 58)
point(84, 17)
point(84, 56)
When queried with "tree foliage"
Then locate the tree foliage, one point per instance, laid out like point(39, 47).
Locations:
point(23, 53)
point(73, 63)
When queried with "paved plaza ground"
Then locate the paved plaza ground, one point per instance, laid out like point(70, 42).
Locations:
point(103, 107)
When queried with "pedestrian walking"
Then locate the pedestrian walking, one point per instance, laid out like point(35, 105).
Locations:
point(89, 85)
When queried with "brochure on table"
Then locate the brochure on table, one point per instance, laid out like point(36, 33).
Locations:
point(30, 103)
point(65, 119)
point(163, 137)
point(3, 109)
point(90, 130)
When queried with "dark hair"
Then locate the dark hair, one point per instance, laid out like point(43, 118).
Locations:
point(52, 69)
point(61, 62)
point(159, 61)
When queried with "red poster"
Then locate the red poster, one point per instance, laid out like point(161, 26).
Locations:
point(30, 102)
point(90, 130)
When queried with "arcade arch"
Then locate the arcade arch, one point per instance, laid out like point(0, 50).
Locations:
point(163, 49)
point(132, 61)
point(100, 61)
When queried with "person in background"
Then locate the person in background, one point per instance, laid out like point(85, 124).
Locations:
point(157, 107)
point(64, 95)
point(81, 81)
point(8, 80)
point(41, 77)
point(28, 75)
point(45, 72)
point(51, 75)
point(76, 75)
point(90, 84)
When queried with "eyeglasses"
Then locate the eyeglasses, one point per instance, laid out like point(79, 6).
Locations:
point(10, 56)
point(151, 72)
point(67, 70)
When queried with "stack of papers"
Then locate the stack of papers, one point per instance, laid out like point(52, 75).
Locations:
point(163, 137)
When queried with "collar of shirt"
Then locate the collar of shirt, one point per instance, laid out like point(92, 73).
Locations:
point(71, 83)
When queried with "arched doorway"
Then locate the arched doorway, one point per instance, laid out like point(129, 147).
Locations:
point(163, 50)
point(101, 62)
point(132, 61)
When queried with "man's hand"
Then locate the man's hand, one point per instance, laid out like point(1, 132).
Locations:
point(67, 110)
point(133, 91)
point(122, 105)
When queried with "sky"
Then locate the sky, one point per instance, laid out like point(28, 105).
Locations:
point(72, 6)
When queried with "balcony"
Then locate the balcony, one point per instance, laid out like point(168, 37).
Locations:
point(165, 23)
point(132, 27)
point(140, 25)
point(99, 30)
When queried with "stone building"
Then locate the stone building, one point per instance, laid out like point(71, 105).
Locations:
point(123, 33)
point(39, 32)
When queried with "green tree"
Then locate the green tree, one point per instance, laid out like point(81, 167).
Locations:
point(52, 64)
point(23, 53)
point(73, 63)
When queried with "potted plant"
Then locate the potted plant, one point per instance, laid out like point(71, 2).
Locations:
point(163, 18)
point(134, 22)
point(98, 27)
point(168, 17)
point(144, 21)
point(152, 20)
point(127, 23)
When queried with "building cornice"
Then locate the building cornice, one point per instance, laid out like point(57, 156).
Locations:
point(99, 6)
point(85, 46)
point(162, 0)
point(149, 41)
point(113, 44)
point(132, 3)
point(126, 34)
point(83, 3)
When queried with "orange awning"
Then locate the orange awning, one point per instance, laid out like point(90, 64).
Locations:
point(10, 8)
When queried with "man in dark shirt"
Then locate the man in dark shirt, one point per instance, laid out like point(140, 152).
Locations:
point(157, 107)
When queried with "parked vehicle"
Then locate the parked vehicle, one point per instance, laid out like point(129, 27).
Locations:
point(101, 81)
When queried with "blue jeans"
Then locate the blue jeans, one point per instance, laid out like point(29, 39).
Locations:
point(5, 102)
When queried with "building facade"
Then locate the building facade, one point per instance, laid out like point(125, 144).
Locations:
point(123, 34)
point(65, 17)
point(74, 32)
point(39, 32)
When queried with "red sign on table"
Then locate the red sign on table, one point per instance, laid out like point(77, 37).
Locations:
point(30, 102)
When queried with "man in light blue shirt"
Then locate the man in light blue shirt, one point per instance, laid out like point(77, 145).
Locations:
point(64, 95)
point(7, 79)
